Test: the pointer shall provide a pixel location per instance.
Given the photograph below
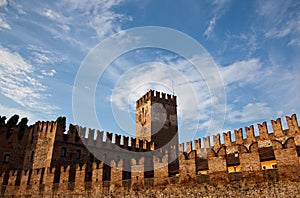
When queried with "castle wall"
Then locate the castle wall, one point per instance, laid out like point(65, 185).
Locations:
point(55, 178)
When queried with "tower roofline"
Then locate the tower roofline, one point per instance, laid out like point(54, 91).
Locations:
point(156, 96)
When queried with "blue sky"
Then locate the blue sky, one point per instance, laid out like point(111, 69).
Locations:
point(254, 44)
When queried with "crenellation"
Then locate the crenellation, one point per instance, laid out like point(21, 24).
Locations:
point(292, 125)
point(160, 165)
point(181, 147)
point(168, 97)
point(206, 142)
point(238, 134)
point(263, 131)
point(152, 145)
point(137, 173)
point(109, 137)
point(227, 138)
point(133, 143)
point(145, 98)
point(91, 134)
point(146, 145)
point(99, 138)
point(89, 140)
point(116, 175)
point(187, 167)
point(117, 139)
point(125, 141)
point(217, 142)
point(157, 94)
point(250, 138)
point(197, 144)
point(140, 145)
point(277, 127)
point(217, 166)
point(81, 131)
point(189, 147)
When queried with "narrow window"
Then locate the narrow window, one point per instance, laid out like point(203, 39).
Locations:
point(264, 167)
point(274, 166)
point(6, 158)
point(32, 155)
point(78, 153)
point(63, 152)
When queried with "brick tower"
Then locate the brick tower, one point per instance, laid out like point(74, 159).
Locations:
point(156, 119)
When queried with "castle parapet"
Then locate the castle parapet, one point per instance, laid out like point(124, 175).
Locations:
point(263, 131)
point(250, 138)
point(292, 124)
point(277, 127)
point(238, 136)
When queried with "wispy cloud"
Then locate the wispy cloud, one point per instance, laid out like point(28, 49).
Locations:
point(210, 27)
point(83, 23)
point(249, 113)
point(219, 9)
point(41, 57)
point(19, 84)
point(3, 23)
point(280, 21)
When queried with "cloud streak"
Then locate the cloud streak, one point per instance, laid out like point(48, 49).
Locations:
point(219, 9)
point(18, 83)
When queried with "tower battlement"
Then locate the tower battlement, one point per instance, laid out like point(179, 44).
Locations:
point(156, 96)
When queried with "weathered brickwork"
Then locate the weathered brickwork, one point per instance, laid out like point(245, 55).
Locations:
point(46, 160)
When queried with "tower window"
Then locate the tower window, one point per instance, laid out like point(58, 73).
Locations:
point(63, 152)
point(78, 153)
point(274, 166)
point(6, 158)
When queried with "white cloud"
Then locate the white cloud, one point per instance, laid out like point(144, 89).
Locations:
point(250, 113)
point(3, 23)
point(242, 72)
point(17, 82)
point(48, 73)
point(52, 15)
